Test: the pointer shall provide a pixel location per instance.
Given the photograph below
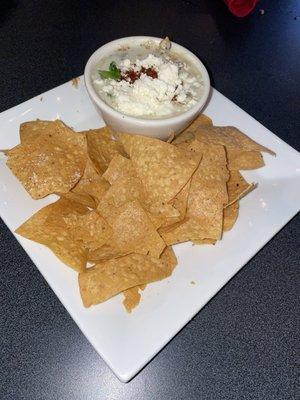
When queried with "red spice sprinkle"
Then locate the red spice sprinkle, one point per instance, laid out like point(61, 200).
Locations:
point(131, 76)
point(150, 72)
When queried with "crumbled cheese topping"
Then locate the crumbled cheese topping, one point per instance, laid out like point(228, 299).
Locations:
point(175, 89)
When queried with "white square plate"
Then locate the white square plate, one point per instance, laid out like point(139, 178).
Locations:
point(128, 341)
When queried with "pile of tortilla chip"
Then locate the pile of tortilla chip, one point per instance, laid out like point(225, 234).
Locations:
point(124, 200)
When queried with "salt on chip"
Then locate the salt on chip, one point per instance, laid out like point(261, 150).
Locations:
point(207, 197)
point(119, 167)
point(237, 159)
point(52, 162)
point(163, 168)
point(56, 236)
point(237, 187)
point(133, 231)
point(108, 278)
point(230, 137)
point(102, 147)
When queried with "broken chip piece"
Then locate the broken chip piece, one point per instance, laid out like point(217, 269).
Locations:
point(111, 277)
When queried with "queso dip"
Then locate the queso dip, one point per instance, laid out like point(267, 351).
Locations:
point(148, 81)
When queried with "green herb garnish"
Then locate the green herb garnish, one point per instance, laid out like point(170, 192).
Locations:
point(112, 73)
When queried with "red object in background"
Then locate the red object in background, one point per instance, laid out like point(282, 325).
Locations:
point(241, 8)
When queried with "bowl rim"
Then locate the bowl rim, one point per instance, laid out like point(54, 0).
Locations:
point(144, 121)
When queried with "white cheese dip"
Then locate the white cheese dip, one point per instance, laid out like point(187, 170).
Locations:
point(149, 85)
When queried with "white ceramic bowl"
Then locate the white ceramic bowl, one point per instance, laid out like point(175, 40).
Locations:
point(160, 128)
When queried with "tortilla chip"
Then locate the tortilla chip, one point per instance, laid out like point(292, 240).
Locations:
point(188, 134)
point(134, 228)
point(201, 120)
point(162, 211)
point(126, 187)
point(108, 278)
point(125, 190)
point(230, 137)
point(84, 199)
point(105, 252)
point(121, 192)
point(119, 167)
point(91, 184)
point(244, 189)
point(102, 147)
point(207, 197)
point(97, 189)
point(124, 198)
point(89, 175)
point(183, 137)
point(163, 168)
point(133, 231)
point(180, 200)
point(230, 216)
point(237, 187)
point(56, 236)
point(33, 129)
point(52, 162)
point(132, 298)
point(91, 229)
point(237, 159)
point(179, 203)
point(5, 152)
point(204, 241)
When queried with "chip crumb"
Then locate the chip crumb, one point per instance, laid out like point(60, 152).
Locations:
point(262, 12)
point(193, 283)
point(75, 81)
point(41, 98)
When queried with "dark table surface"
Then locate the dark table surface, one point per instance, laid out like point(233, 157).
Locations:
point(243, 344)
